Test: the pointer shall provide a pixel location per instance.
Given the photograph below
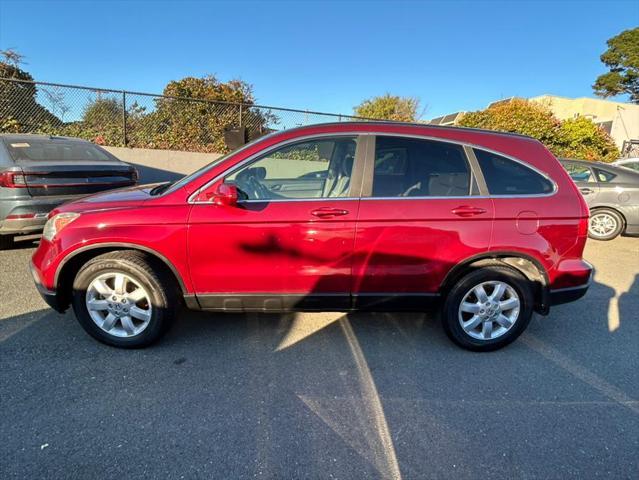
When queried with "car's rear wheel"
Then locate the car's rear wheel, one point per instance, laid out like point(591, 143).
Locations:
point(604, 224)
point(125, 299)
point(488, 308)
point(6, 242)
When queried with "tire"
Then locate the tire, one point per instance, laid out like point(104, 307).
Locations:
point(516, 287)
point(6, 242)
point(95, 284)
point(608, 223)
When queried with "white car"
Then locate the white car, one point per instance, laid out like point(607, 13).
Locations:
point(632, 163)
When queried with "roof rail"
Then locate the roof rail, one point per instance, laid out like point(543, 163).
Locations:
point(415, 124)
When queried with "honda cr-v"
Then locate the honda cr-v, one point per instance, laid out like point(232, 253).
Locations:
point(335, 217)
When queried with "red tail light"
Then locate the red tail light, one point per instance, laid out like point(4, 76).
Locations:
point(12, 179)
point(19, 216)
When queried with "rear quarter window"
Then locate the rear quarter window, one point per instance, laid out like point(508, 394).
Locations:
point(604, 176)
point(507, 177)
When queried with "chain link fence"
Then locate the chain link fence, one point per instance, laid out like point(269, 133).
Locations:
point(142, 120)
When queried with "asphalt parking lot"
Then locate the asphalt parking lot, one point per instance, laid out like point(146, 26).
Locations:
point(324, 395)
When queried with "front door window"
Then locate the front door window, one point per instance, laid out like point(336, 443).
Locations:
point(313, 169)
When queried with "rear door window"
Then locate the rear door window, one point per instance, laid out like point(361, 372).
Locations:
point(579, 173)
point(507, 177)
point(411, 167)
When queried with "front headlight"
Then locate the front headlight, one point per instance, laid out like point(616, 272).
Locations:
point(57, 223)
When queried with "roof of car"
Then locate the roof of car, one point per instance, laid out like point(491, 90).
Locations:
point(587, 162)
point(25, 137)
point(387, 123)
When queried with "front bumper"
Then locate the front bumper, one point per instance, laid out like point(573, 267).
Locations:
point(559, 296)
point(49, 296)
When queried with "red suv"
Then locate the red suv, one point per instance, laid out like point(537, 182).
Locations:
point(335, 217)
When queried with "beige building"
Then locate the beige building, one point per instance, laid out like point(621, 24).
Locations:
point(620, 120)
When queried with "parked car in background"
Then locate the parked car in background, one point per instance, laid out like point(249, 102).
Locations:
point(38, 173)
point(612, 194)
point(488, 224)
point(632, 163)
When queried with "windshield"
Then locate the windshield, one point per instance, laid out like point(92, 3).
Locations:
point(199, 172)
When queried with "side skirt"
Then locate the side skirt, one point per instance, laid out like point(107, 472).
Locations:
point(325, 302)
point(395, 302)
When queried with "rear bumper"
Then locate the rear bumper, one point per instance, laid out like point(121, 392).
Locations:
point(23, 225)
point(20, 206)
point(559, 296)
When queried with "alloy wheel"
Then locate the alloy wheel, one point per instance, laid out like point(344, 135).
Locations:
point(602, 224)
point(489, 310)
point(118, 304)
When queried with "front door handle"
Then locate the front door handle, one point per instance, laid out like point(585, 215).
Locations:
point(328, 212)
point(467, 211)
point(586, 190)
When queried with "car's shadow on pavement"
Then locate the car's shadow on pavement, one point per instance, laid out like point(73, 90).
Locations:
point(629, 305)
point(317, 396)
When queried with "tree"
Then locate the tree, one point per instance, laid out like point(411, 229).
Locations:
point(389, 107)
point(101, 112)
point(19, 110)
point(200, 125)
point(581, 138)
point(622, 58)
point(517, 115)
point(573, 138)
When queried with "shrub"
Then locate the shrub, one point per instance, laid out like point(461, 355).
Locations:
point(573, 138)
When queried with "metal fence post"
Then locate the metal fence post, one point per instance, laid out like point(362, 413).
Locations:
point(240, 125)
point(124, 132)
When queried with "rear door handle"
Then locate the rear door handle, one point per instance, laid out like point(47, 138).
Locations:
point(327, 212)
point(468, 211)
point(586, 190)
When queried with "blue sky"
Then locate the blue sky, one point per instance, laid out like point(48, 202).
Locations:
point(324, 56)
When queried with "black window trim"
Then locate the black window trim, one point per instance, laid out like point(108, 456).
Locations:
point(363, 169)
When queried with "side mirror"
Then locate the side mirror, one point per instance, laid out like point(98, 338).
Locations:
point(225, 195)
point(222, 194)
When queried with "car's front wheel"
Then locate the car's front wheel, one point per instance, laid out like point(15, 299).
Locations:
point(125, 299)
point(488, 308)
point(604, 224)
